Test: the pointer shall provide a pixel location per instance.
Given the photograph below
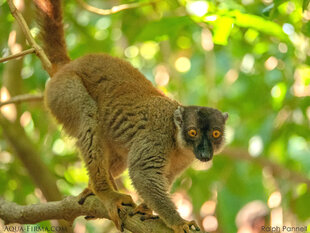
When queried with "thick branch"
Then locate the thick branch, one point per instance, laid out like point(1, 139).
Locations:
point(38, 50)
point(22, 98)
point(17, 55)
point(114, 9)
point(276, 169)
point(69, 209)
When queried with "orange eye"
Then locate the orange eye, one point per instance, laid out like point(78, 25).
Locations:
point(192, 133)
point(216, 133)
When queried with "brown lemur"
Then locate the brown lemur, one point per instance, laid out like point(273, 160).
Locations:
point(120, 120)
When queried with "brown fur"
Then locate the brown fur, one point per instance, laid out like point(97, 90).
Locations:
point(50, 19)
point(120, 120)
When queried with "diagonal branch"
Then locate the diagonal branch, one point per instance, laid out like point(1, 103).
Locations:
point(22, 23)
point(17, 55)
point(69, 209)
point(22, 98)
point(114, 9)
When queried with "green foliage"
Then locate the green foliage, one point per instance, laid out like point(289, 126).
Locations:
point(249, 58)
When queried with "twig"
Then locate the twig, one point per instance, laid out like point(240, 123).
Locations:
point(69, 209)
point(114, 9)
point(22, 98)
point(38, 50)
point(16, 55)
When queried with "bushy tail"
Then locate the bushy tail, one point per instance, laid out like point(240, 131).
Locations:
point(52, 32)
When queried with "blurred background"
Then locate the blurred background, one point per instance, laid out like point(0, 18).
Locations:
point(249, 58)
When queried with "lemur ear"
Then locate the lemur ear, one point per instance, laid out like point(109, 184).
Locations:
point(178, 116)
point(225, 115)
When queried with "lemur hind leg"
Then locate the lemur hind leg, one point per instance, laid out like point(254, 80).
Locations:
point(83, 195)
point(78, 112)
point(96, 157)
point(89, 192)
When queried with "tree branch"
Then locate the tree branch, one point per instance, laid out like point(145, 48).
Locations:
point(276, 169)
point(69, 209)
point(38, 50)
point(17, 55)
point(114, 9)
point(22, 98)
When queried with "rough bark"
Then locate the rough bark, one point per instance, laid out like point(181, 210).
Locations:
point(69, 209)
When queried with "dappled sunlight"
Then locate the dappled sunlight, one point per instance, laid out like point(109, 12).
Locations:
point(247, 64)
point(301, 87)
point(206, 40)
point(184, 42)
point(83, 18)
point(271, 63)
point(208, 208)
point(210, 223)
point(256, 146)
point(14, 47)
point(274, 199)
point(245, 229)
point(161, 75)
point(5, 157)
point(276, 217)
point(38, 193)
point(149, 49)
point(131, 51)
point(62, 146)
point(25, 119)
point(45, 6)
point(103, 23)
point(184, 206)
point(79, 227)
point(182, 64)
point(199, 8)
point(251, 217)
point(282, 47)
point(77, 174)
point(308, 113)
point(231, 76)
point(20, 4)
point(58, 146)
point(8, 111)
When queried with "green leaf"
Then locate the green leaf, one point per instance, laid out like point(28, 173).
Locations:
point(163, 29)
point(301, 206)
point(228, 206)
point(260, 24)
point(305, 4)
point(222, 29)
point(306, 29)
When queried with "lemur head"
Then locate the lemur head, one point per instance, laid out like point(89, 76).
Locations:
point(200, 129)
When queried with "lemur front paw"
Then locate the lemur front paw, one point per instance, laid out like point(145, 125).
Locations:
point(145, 211)
point(185, 227)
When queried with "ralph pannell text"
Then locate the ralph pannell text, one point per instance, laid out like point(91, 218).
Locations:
point(284, 229)
point(33, 228)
